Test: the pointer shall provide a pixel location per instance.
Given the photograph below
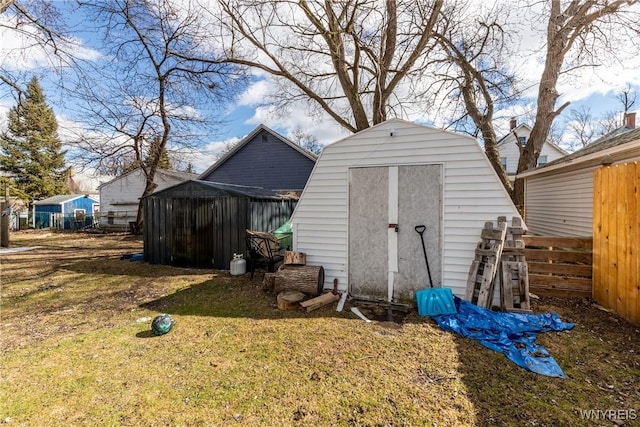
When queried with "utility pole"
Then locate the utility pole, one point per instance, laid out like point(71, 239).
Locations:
point(5, 208)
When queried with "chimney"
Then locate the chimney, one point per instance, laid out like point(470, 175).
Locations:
point(630, 121)
point(513, 123)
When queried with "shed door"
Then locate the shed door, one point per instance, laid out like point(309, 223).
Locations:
point(385, 264)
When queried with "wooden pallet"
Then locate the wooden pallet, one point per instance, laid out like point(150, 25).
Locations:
point(514, 272)
point(484, 267)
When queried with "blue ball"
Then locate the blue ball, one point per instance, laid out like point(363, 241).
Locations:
point(161, 324)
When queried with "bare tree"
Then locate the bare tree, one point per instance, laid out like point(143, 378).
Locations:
point(584, 29)
point(349, 59)
point(581, 127)
point(627, 97)
point(150, 90)
point(608, 122)
point(4, 4)
point(474, 74)
point(40, 27)
point(306, 140)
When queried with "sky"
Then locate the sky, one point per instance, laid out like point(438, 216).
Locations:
point(593, 87)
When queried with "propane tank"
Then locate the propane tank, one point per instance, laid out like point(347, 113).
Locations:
point(238, 265)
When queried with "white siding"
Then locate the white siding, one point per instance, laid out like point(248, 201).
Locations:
point(560, 204)
point(122, 196)
point(472, 195)
point(509, 149)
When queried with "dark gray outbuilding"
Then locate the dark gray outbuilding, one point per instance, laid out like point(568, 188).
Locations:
point(202, 224)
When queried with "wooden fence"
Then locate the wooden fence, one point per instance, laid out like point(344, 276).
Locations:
point(616, 239)
point(559, 266)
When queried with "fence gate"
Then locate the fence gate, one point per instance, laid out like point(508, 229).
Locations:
point(616, 239)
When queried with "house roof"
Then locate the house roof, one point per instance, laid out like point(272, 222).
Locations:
point(521, 125)
point(615, 141)
point(247, 139)
point(198, 188)
point(59, 200)
point(504, 139)
point(182, 176)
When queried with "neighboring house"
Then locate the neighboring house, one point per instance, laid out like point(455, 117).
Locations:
point(65, 212)
point(264, 159)
point(559, 195)
point(120, 197)
point(368, 192)
point(518, 135)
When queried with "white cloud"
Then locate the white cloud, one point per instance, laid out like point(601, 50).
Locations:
point(204, 157)
point(25, 50)
point(322, 127)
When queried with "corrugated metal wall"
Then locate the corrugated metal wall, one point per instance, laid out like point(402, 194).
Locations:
point(267, 215)
point(206, 231)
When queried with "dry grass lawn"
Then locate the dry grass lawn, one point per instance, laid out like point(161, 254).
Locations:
point(76, 349)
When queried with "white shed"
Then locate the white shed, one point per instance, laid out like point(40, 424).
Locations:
point(120, 197)
point(397, 174)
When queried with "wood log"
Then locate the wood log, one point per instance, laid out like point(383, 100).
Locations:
point(295, 258)
point(304, 278)
point(289, 300)
point(268, 282)
point(320, 301)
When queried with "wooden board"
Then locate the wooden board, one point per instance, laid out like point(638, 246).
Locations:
point(560, 269)
point(558, 256)
point(558, 242)
point(319, 301)
point(484, 267)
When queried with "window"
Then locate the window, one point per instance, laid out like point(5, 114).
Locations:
point(79, 215)
point(522, 140)
point(542, 160)
point(503, 160)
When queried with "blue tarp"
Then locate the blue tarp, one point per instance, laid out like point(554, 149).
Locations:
point(512, 334)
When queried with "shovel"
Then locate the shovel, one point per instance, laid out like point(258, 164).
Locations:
point(433, 301)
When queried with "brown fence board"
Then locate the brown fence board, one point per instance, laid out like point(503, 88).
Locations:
point(558, 256)
point(616, 233)
point(559, 266)
point(562, 293)
point(560, 269)
point(559, 242)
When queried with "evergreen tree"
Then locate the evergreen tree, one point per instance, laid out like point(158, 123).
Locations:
point(30, 149)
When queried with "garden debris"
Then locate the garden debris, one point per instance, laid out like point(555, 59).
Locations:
point(321, 301)
point(359, 314)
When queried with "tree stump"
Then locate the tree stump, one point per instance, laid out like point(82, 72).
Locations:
point(289, 300)
point(268, 282)
point(304, 278)
point(295, 258)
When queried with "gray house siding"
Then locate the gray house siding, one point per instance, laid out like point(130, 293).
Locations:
point(267, 162)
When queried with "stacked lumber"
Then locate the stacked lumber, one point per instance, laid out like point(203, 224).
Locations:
point(514, 277)
point(484, 267)
point(500, 262)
